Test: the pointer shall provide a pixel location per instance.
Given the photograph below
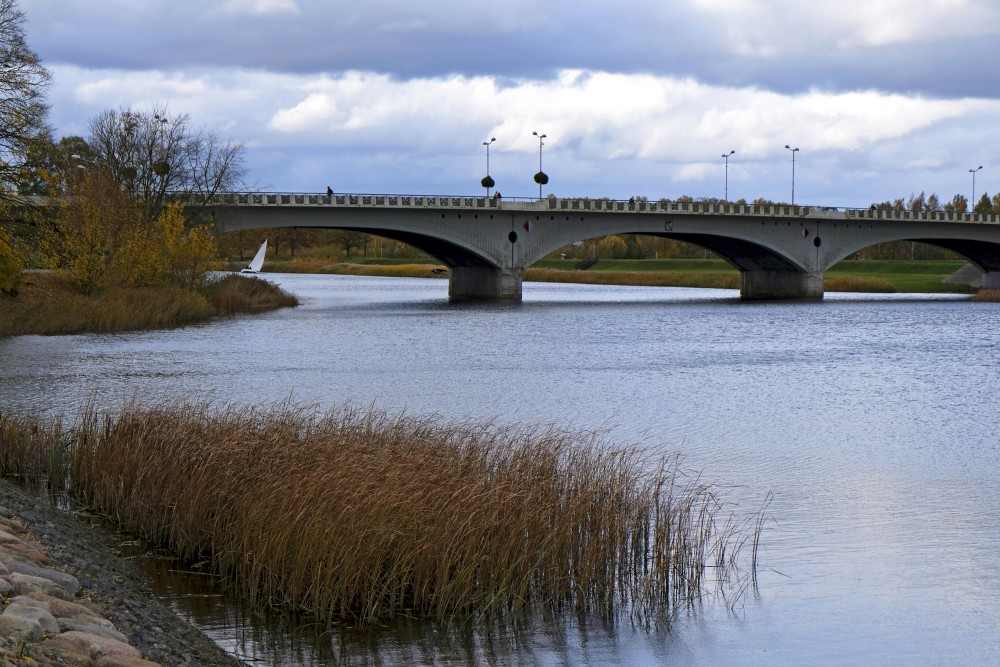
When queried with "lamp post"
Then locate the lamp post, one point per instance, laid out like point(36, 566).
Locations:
point(726, 156)
point(488, 182)
point(794, 151)
point(540, 177)
point(972, 204)
point(161, 167)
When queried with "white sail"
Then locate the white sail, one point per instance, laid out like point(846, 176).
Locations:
point(258, 260)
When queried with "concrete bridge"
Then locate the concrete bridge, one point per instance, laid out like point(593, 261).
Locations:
point(782, 252)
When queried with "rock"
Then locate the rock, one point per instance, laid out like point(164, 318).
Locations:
point(63, 608)
point(113, 600)
point(99, 627)
point(122, 661)
point(20, 629)
point(67, 582)
point(25, 583)
point(94, 646)
point(31, 614)
point(22, 551)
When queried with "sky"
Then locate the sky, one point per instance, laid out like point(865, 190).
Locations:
point(883, 98)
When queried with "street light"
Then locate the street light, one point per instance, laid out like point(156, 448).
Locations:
point(540, 177)
point(726, 156)
point(972, 204)
point(488, 181)
point(794, 151)
point(161, 167)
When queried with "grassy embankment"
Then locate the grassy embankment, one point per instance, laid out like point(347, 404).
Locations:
point(363, 515)
point(46, 304)
point(923, 276)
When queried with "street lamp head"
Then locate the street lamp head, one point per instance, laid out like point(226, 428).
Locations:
point(790, 148)
point(729, 153)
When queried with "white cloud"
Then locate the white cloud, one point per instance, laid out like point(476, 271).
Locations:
point(603, 128)
point(608, 115)
point(259, 7)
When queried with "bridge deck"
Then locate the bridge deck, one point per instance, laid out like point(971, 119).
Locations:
point(278, 199)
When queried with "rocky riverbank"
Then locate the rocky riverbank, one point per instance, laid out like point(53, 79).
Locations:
point(67, 598)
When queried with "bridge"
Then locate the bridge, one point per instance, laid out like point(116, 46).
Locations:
point(781, 252)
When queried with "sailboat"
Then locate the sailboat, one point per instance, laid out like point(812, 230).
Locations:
point(258, 260)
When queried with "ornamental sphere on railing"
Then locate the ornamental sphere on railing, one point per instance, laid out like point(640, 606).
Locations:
point(541, 178)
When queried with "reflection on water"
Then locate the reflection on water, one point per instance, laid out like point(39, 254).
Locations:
point(871, 418)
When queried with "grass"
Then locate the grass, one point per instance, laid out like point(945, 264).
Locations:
point(363, 515)
point(405, 270)
point(48, 305)
point(886, 276)
point(710, 279)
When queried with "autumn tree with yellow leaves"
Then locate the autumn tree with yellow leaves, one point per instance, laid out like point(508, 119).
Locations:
point(104, 239)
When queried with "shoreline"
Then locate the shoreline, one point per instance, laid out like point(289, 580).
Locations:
point(73, 547)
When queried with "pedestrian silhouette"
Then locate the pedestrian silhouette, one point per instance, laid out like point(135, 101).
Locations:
point(329, 190)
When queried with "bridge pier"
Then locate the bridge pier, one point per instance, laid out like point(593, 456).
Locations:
point(781, 285)
point(991, 280)
point(484, 282)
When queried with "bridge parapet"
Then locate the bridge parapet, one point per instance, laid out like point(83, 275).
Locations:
point(600, 205)
point(939, 216)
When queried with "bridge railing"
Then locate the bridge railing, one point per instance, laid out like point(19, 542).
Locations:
point(940, 216)
point(581, 205)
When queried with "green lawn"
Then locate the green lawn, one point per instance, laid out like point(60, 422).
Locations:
point(903, 275)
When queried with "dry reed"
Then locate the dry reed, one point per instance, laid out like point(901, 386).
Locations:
point(48, 305)
point(233, 293)
point(857, 284)
point(364, 515)
point(987, 296)
point(705, 279)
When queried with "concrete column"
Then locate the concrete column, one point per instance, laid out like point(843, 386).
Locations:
point(484, 282)
point(991, 280)
point(781, 285)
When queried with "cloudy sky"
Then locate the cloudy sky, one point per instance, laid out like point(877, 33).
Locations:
point(884, 98)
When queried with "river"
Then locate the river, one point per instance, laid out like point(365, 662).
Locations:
point(872, 419)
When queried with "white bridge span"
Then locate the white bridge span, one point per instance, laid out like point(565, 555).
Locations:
point(782, 252)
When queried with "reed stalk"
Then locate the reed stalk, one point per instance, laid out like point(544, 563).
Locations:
point(364, 515)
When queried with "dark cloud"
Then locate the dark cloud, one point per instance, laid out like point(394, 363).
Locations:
point(327, 37)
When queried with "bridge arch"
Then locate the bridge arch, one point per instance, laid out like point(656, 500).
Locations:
point(781, 251)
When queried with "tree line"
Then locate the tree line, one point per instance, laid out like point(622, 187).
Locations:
point(111, 211)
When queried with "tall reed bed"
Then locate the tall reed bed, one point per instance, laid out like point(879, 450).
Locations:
point(365, 515)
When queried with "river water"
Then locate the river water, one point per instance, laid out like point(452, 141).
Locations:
point(873, 420)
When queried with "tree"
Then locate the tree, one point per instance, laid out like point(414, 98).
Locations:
point(189, 255)
point(155, 156)
point(917, 204)
point(93, 231)
point(958, 204)
point(23, 109)
point(349, 240)
point(984, 205)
